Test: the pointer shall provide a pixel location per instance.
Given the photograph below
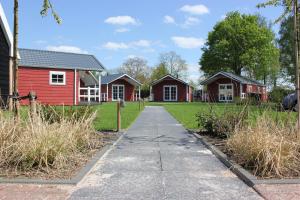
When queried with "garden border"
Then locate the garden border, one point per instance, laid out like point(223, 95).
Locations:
point(75, 179)
point(243, 174)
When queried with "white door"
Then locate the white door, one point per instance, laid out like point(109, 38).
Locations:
point(118, 92)
point(170, 93)
point(225, 92)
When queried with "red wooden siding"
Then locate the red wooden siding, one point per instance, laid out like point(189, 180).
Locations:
point(158, 89)
point(129, 89)
point(37, 79)
point(213, 89)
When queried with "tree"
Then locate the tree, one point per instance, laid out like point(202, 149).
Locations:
point(159, 71)
point(45, 8)
point(174, 63)
point(137, 68)
point(240, 43)
point(291, 8)
point(286, 47)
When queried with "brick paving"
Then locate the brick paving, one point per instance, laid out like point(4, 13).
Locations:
point(33, 192)
point(279, 191)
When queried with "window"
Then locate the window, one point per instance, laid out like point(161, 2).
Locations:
point(170, 93)
point(249, 88)
point(117, 92)
point(225, 92)
point(57, 78)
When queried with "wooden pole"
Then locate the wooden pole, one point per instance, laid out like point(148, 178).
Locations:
point(118, 116)
point(32, 104)
point(296, 40)
point(15, 58)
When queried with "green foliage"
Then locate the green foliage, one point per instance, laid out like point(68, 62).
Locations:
point(286, 47)
point(47, 5)
point(159, 71)
point(221, 126)
point(278, 93)
point(241, 43)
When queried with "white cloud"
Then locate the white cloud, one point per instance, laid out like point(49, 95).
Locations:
point(121, 20)
point(188, 42)
point(115, 45)
point(122, 30)
point(190, 21)
point(140, 43)
point(66, 48)
point(123, 45)
point(195, 9)
point(169, 20)
point(223, 17)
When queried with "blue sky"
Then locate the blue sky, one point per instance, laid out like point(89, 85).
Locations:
point(114, 30)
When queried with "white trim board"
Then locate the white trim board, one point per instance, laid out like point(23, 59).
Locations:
point(57, 73)
point(112, 92)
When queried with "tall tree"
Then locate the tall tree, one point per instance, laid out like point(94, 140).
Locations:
point(240, 43)
point(286, 47)
point(291, 7)
point(137, 68)
point(159, 71)
point(45, 8)
point(174, 63)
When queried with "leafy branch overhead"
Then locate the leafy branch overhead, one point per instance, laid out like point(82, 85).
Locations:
point(286, 4)
point(44, 12)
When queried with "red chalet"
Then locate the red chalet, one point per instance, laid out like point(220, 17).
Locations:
point(224, 86)
point(169, 88)
point(120, 86)
point(59, 78)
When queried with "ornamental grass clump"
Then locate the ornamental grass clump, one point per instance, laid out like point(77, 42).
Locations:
point(37, 145)
point(270, 149)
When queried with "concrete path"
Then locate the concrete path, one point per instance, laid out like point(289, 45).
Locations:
point(157, 159)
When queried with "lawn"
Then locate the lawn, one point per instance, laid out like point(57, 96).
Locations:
point(107, 115)
point(185, 113)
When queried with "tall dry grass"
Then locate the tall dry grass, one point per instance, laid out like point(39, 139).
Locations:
point(41, 146)
point(270, 149)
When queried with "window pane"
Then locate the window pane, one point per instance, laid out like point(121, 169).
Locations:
point(167, 93)
point(222, 87)
point(121, 92)
point(229, 87)
point(173, 93)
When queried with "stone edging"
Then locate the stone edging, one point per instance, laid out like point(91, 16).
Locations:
point(243, 174)
point(74, 180)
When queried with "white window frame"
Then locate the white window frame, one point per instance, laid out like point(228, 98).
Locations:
point(112, 91)
point(249, 88)
point(57, 73)
point(221, 100)
point(170, 86)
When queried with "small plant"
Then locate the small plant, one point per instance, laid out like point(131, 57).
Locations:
point(222, 125)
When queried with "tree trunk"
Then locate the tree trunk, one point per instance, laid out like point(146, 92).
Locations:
point(296, 38)
point(15, 58)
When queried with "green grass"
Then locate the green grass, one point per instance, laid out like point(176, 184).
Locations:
point(107, 115)
point(185, 113)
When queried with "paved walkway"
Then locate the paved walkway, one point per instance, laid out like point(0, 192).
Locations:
point(156, 160)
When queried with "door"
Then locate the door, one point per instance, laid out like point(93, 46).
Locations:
point(225, 92)
point(170, 93)
point(118, 92)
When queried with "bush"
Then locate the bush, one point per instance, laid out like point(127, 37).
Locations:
point(223, 125)
point(278, 93)
point(42, 145)
point(268, 148)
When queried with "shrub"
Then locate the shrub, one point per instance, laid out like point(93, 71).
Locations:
point(222, 125)
point(268, 148)
point(278, 93)
point(41, 145)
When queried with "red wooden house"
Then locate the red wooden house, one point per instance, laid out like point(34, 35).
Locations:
point(120, 86)
point(225, 86)
point(59, 78)
point(172, 89)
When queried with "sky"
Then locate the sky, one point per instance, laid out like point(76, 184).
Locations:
point(114, 30)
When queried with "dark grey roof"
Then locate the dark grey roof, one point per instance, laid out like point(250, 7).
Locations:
point(241, 79)
point(170, 76)
point(111, 77)
point(58, 60)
